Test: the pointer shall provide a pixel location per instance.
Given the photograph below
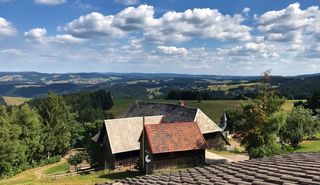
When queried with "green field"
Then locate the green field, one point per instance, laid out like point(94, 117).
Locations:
point(213, 108)
point(309, 146)
point(15, 100)
point(64, 167)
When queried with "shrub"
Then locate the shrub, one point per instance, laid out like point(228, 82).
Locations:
point(267, 150)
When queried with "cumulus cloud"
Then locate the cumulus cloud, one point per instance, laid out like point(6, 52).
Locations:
point(36, 34)
point(49, 2)
point(127, 2)
point(39, 35)
point(6, 28)
point(93, 25)
point(289, 24)
point(172, 26)
point(250, 49)
point(171, 50)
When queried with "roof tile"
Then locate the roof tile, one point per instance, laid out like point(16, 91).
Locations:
point(173, 137)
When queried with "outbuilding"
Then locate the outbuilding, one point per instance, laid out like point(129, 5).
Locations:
point(171, 145)
point(119, 139)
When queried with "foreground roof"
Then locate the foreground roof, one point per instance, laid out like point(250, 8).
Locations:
point(299, 168)
point(174, 137)
point(173, 113)
point(124, 133)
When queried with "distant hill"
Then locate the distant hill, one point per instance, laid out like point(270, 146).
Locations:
point(143, 85)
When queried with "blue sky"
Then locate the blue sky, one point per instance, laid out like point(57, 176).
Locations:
point(222, 37)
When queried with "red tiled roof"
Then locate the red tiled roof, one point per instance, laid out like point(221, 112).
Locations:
point(174, 137)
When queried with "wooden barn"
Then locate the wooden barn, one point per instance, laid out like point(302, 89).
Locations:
point(120, 140)
point(174, 113)
point(171, 145)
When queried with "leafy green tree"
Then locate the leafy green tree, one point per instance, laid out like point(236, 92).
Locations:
point(235, 120)
point(12, 152)
point(29, 121)
point(262, 122)
point(57, 120)
point(77, 159)
point(299, 124)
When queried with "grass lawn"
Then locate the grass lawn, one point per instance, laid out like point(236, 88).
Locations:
point(309, 146)
point(30, 178)
point(64, 167)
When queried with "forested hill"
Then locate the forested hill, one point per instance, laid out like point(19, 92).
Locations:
point(139, 85)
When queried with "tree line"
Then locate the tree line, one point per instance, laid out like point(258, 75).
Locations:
point(41, 130)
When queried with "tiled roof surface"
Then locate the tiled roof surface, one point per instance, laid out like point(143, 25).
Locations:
point(174, 137)
point(300, 168)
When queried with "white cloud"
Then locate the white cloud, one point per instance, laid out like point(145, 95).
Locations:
point(246, 11)
point(66, 38)
point(171, 50)
point(49, 2)
point(205, 23)
point(11, 52)
point(39, 35)
point(289, 24)
point(249, 50)
point(127, 2)
point(172, 26)
point(135, 19)
point(6, 28)
point(36, 34)
point(93, 25)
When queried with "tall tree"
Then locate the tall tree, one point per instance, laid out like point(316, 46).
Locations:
point(57, 120)
point(29, 121)
point(12, 151)
point(262, 121)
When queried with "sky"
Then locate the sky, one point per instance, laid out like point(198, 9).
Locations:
point(218, 37)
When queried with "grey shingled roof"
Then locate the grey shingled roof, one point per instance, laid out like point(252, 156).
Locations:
point(173, 113)
point(299, 168)
point(124, 133)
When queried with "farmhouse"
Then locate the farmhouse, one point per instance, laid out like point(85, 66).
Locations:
point(171, 145)
point(173, 113)
point(120, 140)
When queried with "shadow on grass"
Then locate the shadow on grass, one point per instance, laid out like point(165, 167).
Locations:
point(120, 175)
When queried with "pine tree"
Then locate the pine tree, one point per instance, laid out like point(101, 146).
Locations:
point(56, 118)
point(262, 122)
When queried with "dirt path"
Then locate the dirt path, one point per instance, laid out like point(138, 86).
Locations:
point(213, 158)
